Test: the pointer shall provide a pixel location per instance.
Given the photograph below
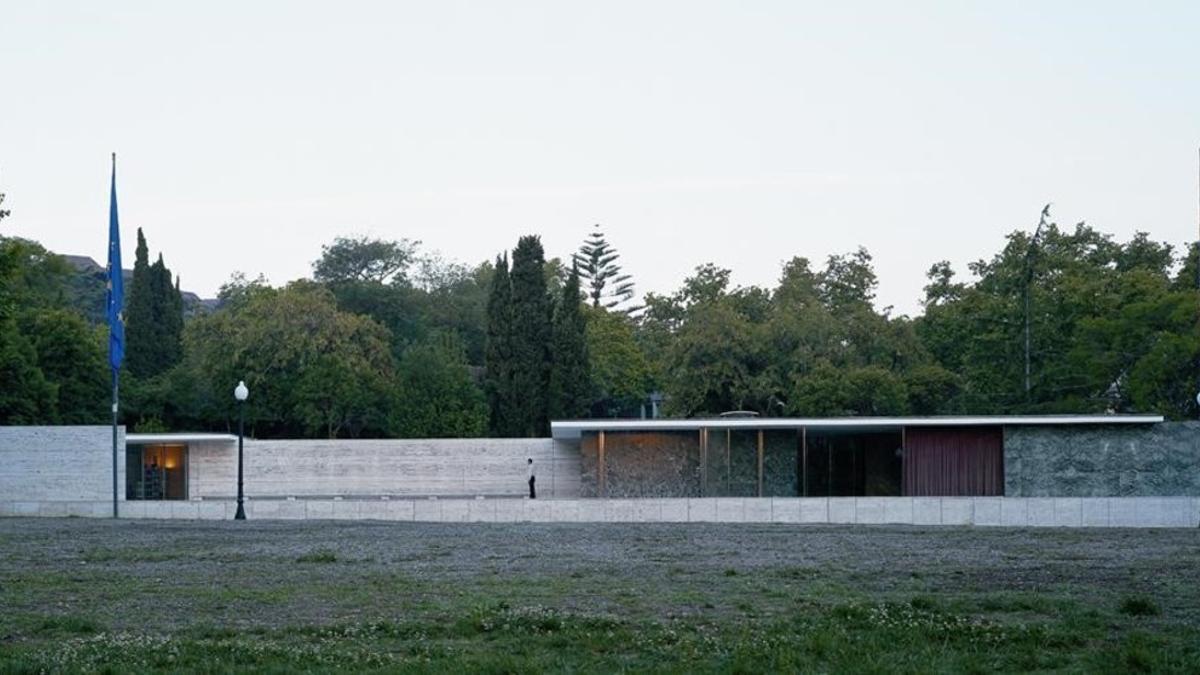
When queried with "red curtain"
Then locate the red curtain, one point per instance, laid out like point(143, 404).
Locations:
point(954, 462)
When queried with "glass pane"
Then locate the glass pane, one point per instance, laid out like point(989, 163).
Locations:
point(781, 463)
point(156, 472)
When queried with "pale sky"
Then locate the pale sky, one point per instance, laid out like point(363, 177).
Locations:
point(742, 133)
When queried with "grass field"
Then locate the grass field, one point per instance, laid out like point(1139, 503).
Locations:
point(83, 595)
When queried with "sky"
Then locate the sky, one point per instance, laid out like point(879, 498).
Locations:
point(249, 134)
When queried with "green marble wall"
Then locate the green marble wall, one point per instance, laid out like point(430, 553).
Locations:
point(1157, 460)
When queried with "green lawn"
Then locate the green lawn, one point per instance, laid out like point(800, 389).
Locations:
point(88, 596)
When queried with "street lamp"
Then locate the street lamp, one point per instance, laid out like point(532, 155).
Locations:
point(241, 393)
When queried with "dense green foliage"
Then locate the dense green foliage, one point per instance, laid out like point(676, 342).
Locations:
point(1111, 328)
point(436, 396)
point(52, 363)
point(1114, 327)
point(388, 340)
point(312, 369)
point(619, 369)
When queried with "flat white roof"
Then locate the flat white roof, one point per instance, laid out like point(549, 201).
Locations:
point(155, 439)
point(572, 428)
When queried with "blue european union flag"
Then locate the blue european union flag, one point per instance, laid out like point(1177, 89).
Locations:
point(116, 283)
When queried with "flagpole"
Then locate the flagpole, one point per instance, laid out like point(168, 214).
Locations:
point(115, 377)
point(114, 448)
point(116, 329)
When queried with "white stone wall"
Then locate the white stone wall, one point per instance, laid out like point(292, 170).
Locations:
point(69, 463)
point(394, 467)
point(1139, 512)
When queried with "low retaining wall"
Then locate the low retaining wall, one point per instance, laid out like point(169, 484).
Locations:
point(979, 511)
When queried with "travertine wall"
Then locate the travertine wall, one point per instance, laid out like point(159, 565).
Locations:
point(1159, 460)
point(70, 463)
point(399, 467)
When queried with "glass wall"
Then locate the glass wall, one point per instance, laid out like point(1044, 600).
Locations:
point(732, 466)
point(156, 472)
point(742, 463)
point(851, 464)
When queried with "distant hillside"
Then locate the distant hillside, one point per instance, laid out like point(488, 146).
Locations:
point(87, 290)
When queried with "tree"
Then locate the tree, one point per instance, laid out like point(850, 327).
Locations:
point(26, 397)
point(172, 318)
point(606, 285)
point(32, 280)
point(30, 276)
point(72, 360)
point(848, 281)
point(530, 342)
point(1103, 322)
point(399, 308)
point(313, 369)
point(619, 369)
point(714, 352)
point(498, 357)
point(1188, 277)
point(1164, 380)
point(813, 345)
point(153, 316)
point(436, 397)
point(455, 300)
point(932, 390)
point(365, 259)
point(141, 332)
point(570, 388)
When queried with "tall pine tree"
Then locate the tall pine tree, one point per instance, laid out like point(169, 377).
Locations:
point(154, 316)
point(597, 261)
point(498, 353)
point(530, 339)
point(570, 377)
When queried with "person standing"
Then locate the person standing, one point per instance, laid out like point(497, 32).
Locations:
point(532, 480)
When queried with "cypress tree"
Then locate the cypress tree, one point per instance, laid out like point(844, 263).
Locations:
point(570, 375)
point(154, 317)
point(141, 333)
point(530, 339)
point(498, 353)
point(168, 313)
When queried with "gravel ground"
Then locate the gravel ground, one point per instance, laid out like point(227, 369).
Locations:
point(164, 575)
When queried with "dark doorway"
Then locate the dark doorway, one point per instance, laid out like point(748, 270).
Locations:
point(851, 464)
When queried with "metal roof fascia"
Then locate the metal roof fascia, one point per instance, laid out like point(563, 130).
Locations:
point(576, 426)
point(150, 439)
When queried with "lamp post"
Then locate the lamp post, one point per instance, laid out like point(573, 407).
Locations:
point(241, 393)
